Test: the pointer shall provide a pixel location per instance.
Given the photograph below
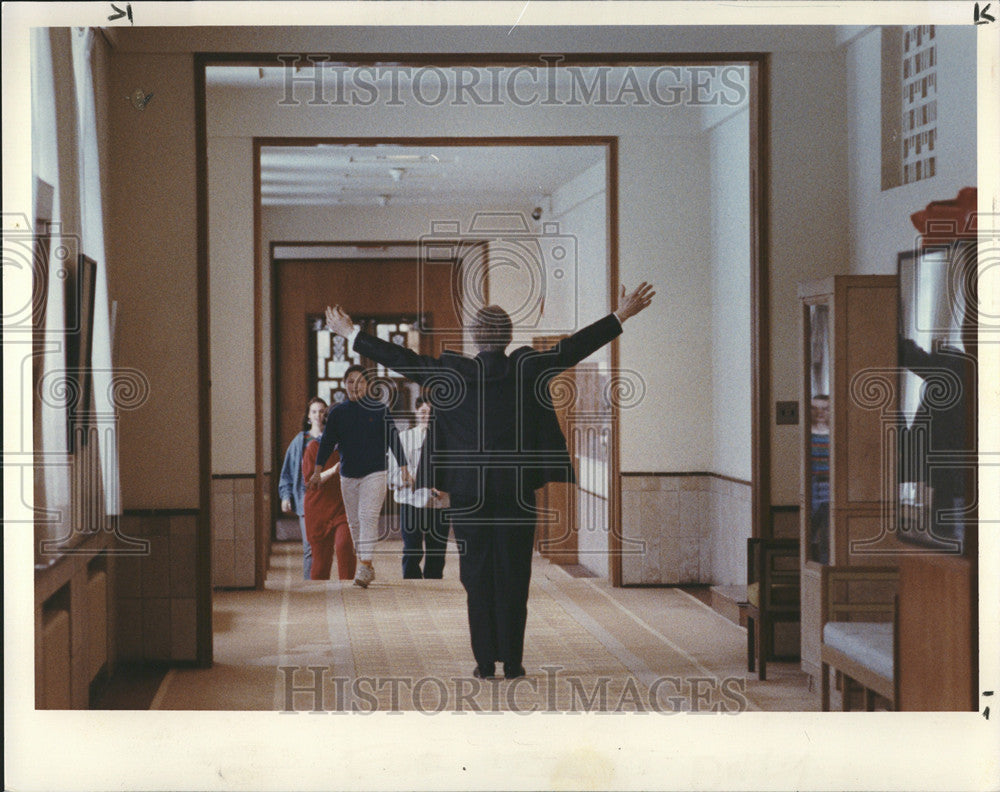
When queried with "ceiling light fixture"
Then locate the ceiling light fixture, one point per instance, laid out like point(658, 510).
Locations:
point(382, 158)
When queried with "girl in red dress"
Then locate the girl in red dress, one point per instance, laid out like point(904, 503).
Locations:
point(326, 519)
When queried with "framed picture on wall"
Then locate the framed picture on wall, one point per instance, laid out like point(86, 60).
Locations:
point(81, 279)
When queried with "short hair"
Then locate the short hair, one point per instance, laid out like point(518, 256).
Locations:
point(359, 368)
point(491, 328)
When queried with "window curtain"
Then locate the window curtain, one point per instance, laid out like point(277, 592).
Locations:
point(92, 239)
point(52, 490)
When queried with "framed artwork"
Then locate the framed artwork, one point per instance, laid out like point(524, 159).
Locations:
point(329, 359)
point(81, 279)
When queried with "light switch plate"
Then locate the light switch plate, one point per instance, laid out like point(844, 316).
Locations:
point(787, 412)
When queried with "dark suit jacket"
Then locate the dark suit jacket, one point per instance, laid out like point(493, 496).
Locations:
point(495, 429)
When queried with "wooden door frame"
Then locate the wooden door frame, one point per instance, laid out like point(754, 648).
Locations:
point(759, 63)
point(277, 442)
point(263, 496)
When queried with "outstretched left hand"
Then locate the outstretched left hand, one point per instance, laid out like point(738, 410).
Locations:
point(629, 304)
point(338, 321)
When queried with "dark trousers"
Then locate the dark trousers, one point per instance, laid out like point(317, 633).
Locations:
point(425, 538)
point(495, 569)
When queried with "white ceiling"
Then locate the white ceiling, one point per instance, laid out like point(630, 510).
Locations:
point(392, 175)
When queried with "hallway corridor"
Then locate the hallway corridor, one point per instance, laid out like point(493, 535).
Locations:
point(404, 645)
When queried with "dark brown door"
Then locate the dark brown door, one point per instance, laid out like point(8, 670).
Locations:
point(365, 288)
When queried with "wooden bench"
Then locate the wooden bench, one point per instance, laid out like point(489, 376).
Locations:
point(772, 596)
point(858, 638)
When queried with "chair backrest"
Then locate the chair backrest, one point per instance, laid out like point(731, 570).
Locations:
point(859, 593)
point(774, 565)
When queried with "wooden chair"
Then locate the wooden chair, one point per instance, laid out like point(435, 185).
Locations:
point(772, 596)
point(859, 638)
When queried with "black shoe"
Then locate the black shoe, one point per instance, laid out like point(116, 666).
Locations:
point(513, 672)
point(484, 672)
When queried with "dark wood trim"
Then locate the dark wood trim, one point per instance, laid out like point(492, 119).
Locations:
point(261, 552)
point(609, 143)
point(443, 142)
point(408, 243)
point(760, 318)
point(688, 473)
point(481, 59)
point(277, 446)
point(216, 476)
point(347, 260)
point(614, 455)
point(203, 564)
point(161, 512)
point(361, 243)
point(759, 105)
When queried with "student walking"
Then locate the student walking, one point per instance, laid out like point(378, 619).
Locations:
point(502, 441)
point(326, 518)
point(421, 507)
point(291, 487)
point(363, 431)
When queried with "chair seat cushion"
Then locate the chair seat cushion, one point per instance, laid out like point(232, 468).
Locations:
point(867, 643)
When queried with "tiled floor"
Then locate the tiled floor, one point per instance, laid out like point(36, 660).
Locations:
point(404, 645)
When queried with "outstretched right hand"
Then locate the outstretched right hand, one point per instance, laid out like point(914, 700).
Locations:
point(338, 320)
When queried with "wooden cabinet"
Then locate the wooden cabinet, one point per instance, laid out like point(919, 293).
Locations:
point(938, 633)
point(849, 337)
point(74, 624)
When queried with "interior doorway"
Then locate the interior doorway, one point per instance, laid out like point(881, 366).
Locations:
point(497, 251)
point(254, 76)
point(383, 288)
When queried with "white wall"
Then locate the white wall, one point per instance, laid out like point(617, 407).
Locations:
point(808, 234)
point(231, 298)
point(663, 239)
point(808, 197)
point(153, 274)
point(880, 221)
point(580, 208)
point(662, 210)
point(730, 260)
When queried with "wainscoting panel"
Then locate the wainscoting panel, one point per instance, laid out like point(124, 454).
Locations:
point(233, 551)
point(155, 592)
point(684, 528)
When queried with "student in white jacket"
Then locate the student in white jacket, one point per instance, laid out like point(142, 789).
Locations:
point(421, 507)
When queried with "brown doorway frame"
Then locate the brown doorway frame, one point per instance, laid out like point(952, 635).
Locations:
point(263, 496)
point(759, 151)
point(270, 512)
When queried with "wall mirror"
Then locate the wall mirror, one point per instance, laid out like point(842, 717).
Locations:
point(936, 492)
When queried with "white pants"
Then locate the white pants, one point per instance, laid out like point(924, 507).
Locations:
point(363, 503)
